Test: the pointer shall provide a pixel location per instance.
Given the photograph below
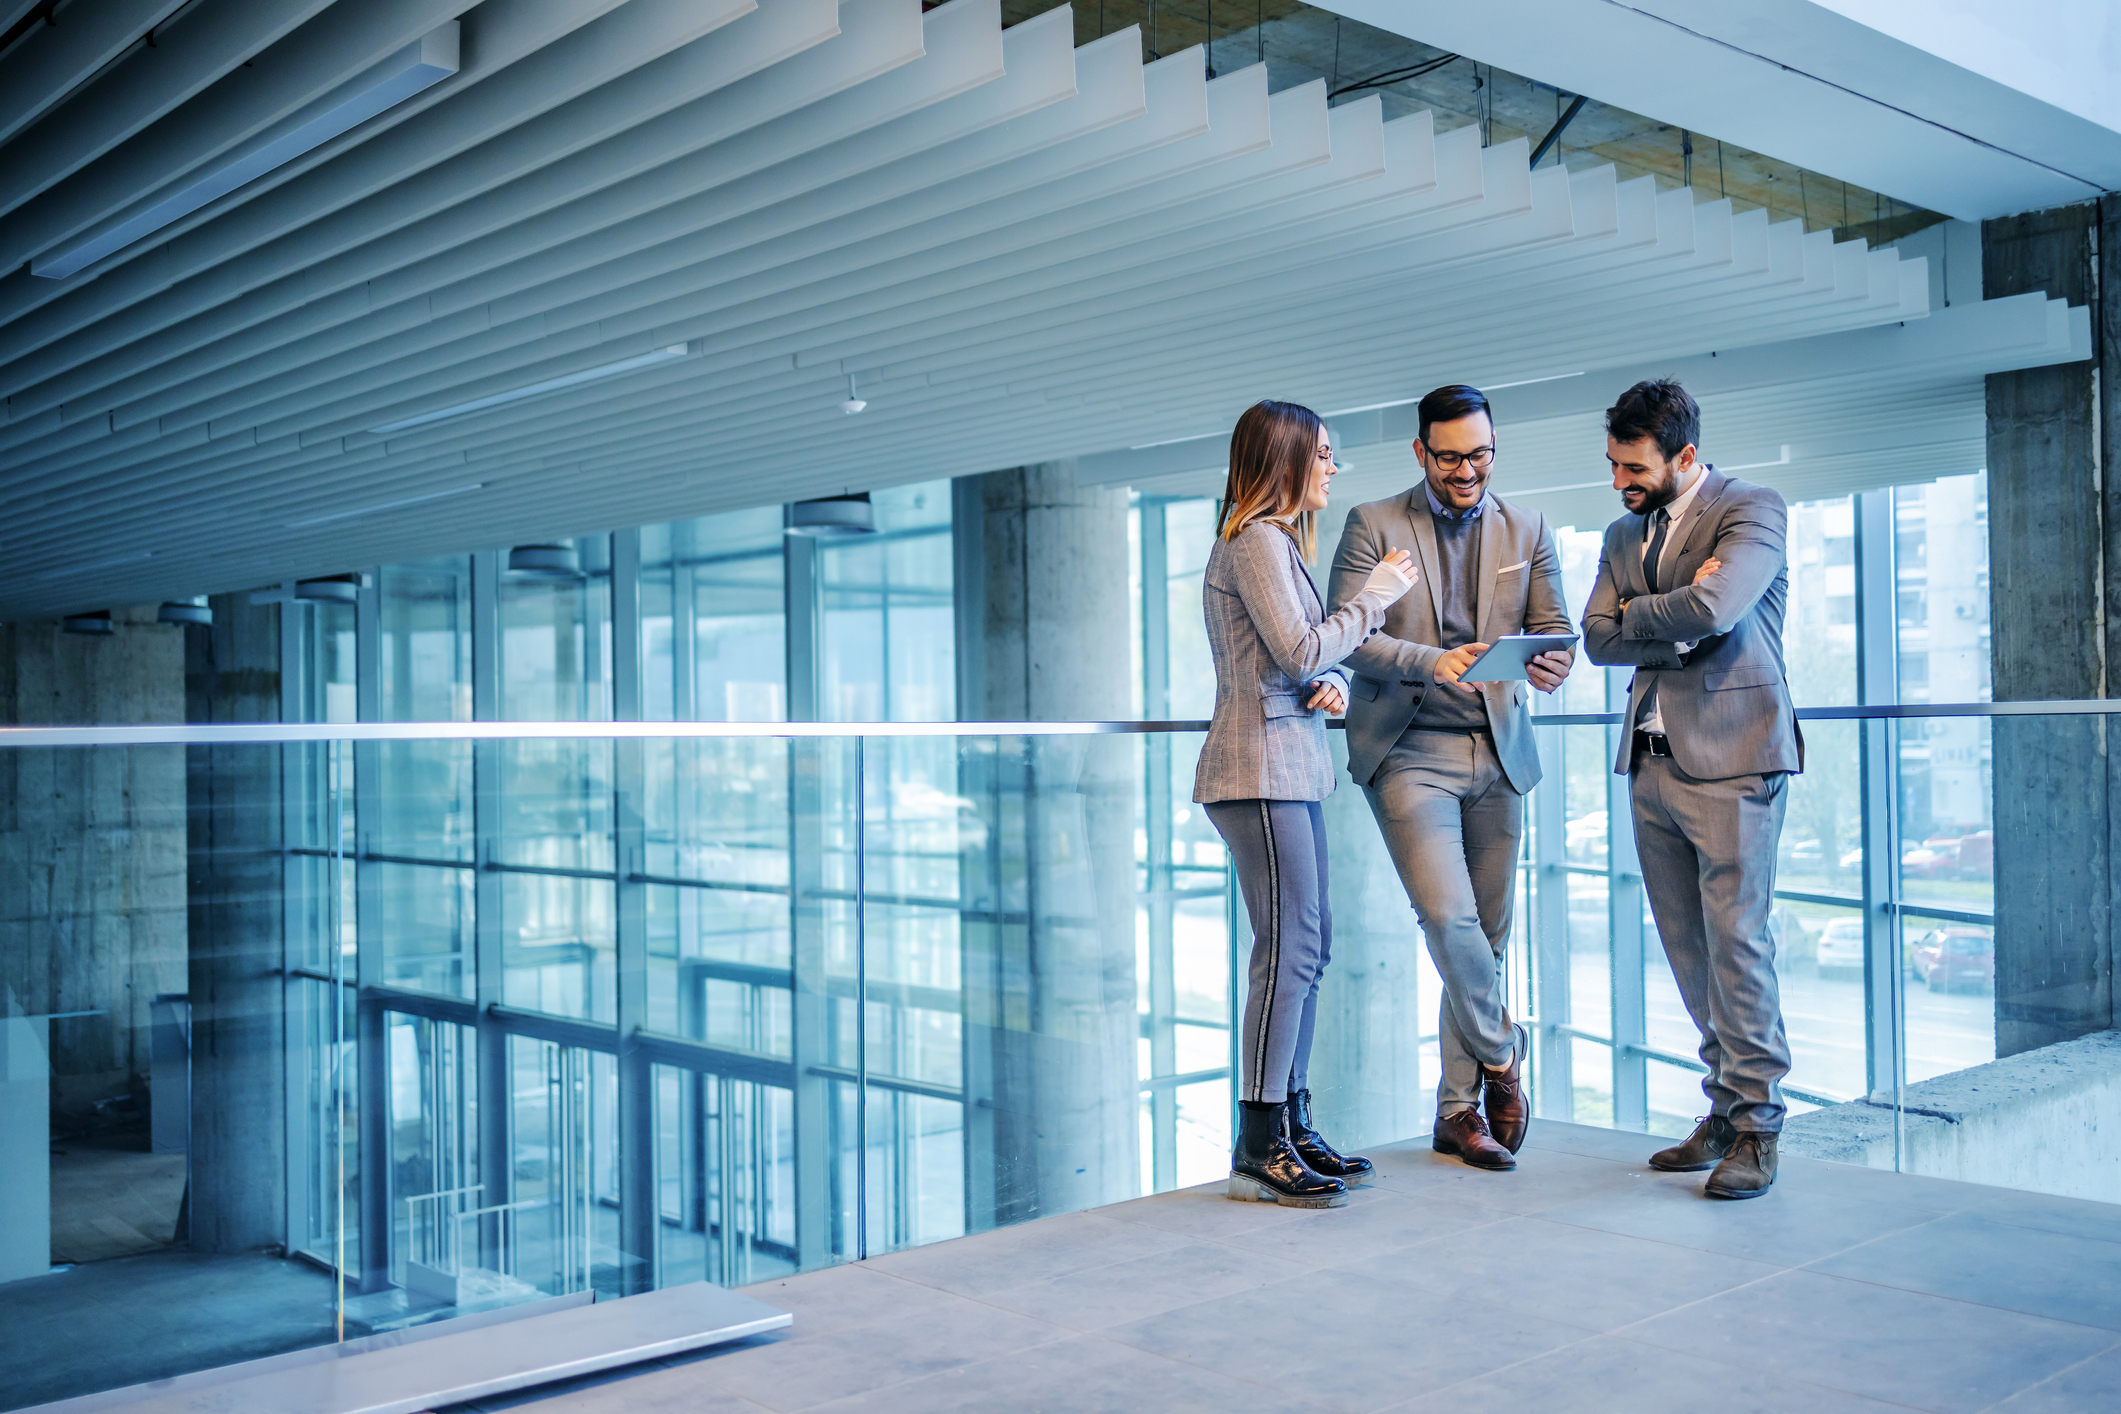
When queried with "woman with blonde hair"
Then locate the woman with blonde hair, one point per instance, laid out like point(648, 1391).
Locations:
point(1264, 769)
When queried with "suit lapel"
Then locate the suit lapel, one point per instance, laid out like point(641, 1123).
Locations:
point(1712, 487)
point(1491, 531)
point(1424, 527)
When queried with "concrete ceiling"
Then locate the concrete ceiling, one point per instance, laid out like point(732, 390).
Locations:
point(1975, 108)
point(654, 241)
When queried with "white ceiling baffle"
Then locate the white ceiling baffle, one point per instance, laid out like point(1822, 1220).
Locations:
point(623, 264)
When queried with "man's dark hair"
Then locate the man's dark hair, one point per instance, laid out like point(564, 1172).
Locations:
point(1449, 403)
point(1657, 408)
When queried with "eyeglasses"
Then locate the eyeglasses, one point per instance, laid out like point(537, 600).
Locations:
point(1481, 457)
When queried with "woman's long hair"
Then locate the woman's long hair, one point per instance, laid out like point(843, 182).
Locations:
point(1271, 456)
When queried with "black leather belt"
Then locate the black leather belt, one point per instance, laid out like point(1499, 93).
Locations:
point(1652, 744)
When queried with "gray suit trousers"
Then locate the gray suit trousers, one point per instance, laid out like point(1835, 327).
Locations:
point(1707, 850)
point(1278, 851)
point(1452, 822)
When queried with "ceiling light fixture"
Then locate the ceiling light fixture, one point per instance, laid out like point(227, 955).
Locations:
point(330, 589)
point(421, 64)
point(385, 506)
point(532, 390)
point(853, 404)
point(185, 611)
point(98, 622)
point(833, 515)
point(556, 561)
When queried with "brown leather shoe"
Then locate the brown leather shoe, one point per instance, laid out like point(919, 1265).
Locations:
point(1465, 1133)
point(1748, 1170)
point(1502, 1096)
point(1710, 1141)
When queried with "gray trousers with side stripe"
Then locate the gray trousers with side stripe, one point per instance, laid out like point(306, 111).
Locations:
point(1278, 848)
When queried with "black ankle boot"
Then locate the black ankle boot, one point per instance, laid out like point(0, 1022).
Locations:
point(1265, 1167)
point(1313, 1149)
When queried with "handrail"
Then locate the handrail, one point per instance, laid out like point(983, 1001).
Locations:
point(284, 733)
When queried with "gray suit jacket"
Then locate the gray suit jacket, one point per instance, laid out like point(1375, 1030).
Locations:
point(1726, 705)
point(1519, 592)
point(1271, 639)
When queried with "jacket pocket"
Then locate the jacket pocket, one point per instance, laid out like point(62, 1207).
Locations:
point(1363, 687)
point(1756, 676)
point(1280, 704)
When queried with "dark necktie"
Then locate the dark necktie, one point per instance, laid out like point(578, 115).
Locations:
point(1653, 563)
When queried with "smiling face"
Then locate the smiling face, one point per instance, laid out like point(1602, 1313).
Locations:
point(1458, 457)
point(1323, 471)
point(1645, 477)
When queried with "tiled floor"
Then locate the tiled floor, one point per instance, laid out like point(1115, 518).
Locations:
point(1583, 1281)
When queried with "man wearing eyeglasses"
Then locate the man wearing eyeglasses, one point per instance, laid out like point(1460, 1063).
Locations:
point(1446, 764)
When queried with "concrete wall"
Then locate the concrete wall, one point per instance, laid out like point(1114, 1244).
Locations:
point(2055, 614)
point(2046, 1120)
point(92, 893)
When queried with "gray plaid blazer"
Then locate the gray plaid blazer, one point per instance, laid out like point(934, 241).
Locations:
point(1271, 639)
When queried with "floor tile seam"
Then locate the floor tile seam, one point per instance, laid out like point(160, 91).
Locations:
point(2055, 1375)
point(1692, 1247)
point(1961, 1301)
point(2028, 1227)
point(1785, 1376)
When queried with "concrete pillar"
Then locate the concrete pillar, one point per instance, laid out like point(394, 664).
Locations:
point(91, 855)
point(239, 1170)
point(1048, 931)
point(2050, 523)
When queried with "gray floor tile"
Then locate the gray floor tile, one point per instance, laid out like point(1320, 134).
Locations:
point(1085, 1375)
point(808, 1367)
point(1012, 1256)
point(2047, 1213)
point(1375, 1220)
point(849, 1295)
point(1542, 1179)
point(1618, 1144)
point(1606, 1375)
point(1927, 1351)
point(1129, 1291)
point(1797, 1222)
point(1577, 1276)
point(1205, 1212)
point(2086, 1385)
point(1971, 1258)
point(1340, 1338)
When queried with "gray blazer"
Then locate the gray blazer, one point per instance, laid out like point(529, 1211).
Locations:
point(1271, 639)
point(1726, 705)
point(1519, 592)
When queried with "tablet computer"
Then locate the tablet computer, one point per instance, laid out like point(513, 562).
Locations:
point(1505, 659)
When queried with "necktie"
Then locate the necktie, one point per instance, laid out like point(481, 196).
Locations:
point(1652, 565)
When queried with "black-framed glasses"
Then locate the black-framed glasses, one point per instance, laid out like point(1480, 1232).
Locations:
point(1481, 457)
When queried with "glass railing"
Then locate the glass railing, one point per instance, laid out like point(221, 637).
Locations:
point(326, 1030)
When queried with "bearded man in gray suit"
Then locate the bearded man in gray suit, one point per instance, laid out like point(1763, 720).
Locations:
point(1690, 593)
point(1445, 764)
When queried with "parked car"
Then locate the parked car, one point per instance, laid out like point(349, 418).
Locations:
point(1956, 955)
point(1841, 948)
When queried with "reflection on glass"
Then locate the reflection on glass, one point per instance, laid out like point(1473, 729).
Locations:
point(889, 618)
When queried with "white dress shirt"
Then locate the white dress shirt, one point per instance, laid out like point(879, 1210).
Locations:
point(1678, 510)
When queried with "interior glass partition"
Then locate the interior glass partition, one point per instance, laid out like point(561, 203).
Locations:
point(907, 991)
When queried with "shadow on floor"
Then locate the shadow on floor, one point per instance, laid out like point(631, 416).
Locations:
point(121, 1322)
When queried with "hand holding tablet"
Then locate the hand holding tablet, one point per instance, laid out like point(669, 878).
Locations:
point(1507, 657)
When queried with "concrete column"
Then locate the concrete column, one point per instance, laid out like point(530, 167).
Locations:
point(1049, 929)
point(239, 1171)
point(2049, 527)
